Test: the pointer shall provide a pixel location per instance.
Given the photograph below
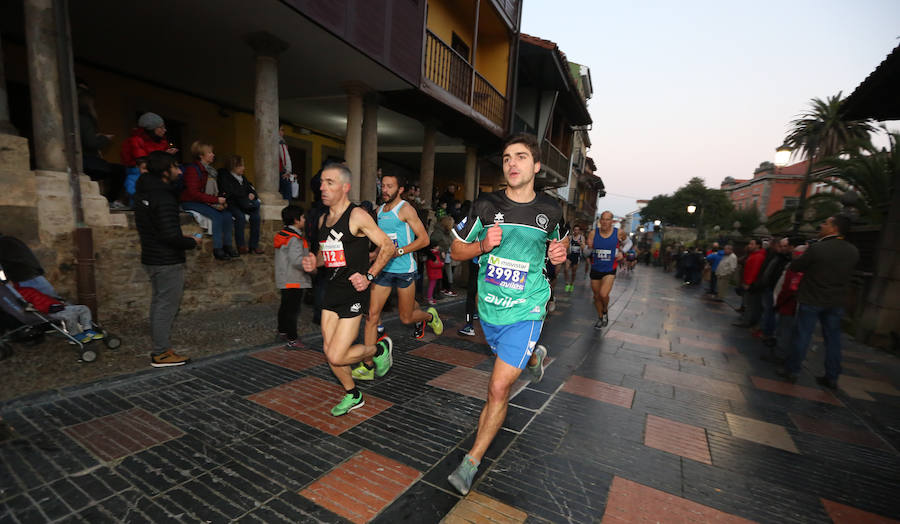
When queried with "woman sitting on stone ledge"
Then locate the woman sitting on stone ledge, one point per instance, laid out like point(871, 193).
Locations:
point(195, 197)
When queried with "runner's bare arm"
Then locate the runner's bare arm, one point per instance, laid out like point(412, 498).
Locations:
point(460, 250)
point(408, 214)
point(362, 222)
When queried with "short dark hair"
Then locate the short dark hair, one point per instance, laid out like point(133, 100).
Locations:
point(529, 141)
point(233, 162)
point(401, 180)
point(291, 213)
point(796, 241)
point(841, 223)
point(158, 162)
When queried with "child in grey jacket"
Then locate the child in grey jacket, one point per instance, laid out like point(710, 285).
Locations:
point(290, 248)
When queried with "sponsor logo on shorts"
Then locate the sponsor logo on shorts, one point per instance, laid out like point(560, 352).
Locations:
point(355, 308)
point(502, 301)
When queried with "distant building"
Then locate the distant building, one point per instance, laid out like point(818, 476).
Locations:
point(772, 188)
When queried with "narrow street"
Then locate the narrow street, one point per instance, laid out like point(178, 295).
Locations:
point(667, 415)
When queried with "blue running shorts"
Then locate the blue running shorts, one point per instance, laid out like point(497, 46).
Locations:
point(513, 343)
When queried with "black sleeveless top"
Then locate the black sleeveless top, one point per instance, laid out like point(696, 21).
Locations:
point(343, 252)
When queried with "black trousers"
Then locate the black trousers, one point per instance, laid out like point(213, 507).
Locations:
point(288, 312)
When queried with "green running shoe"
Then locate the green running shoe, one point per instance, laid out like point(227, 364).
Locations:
point(537, 370)
point(462, 477)
point(435, 323)
point(348, 404)
point(384, 361)
point(361, 372)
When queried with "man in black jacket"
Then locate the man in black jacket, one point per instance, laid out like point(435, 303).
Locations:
point(827, 267)
point(162, 251)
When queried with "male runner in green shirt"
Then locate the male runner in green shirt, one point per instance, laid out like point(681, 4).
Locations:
point(513, 231)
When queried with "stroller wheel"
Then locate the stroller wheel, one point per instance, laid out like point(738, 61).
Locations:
point(88, 355)
point(6, 351)
point(112, 342)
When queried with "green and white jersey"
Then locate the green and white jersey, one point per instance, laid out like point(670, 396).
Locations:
point(512, 284)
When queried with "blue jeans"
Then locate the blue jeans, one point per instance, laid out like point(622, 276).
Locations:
point(768, 313)
point(240, 223)
point(804, 325)
point(221, 221)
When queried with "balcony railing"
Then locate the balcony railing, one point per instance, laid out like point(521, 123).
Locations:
point(554, 159)
point(452, 72)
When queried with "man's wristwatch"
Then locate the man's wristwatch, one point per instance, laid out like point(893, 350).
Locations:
point(400, 251)
point(370, 277)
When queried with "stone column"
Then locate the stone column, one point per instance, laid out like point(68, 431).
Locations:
point(426, 173)
point(265, 112)
point(368, 186)
point(353, 139)
point(471, 172)
point(6, 127)
point(44, 84)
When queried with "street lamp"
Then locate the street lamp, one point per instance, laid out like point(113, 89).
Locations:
point(782, 155)
point(691, 208)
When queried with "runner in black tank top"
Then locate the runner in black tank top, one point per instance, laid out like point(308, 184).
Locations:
point(344, 254)
point(344, 235)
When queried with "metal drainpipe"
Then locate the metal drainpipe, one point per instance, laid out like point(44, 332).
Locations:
point(84, 241)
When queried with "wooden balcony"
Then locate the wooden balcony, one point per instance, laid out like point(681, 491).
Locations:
point(453, 73)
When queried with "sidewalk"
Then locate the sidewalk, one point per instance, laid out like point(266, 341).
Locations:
point(668, 415)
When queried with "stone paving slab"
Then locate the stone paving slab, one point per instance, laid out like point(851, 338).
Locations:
point(666, 415)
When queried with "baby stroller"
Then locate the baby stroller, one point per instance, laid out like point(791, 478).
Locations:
point(13, 305)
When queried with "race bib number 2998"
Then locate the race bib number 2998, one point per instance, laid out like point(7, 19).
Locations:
point(507, 273)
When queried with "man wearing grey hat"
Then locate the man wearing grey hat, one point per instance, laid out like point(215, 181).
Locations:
point(148, 136)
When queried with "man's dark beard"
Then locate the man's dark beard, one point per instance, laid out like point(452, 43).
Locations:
point(388, 197)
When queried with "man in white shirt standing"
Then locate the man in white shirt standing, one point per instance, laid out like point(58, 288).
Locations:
point(727, 267)
point(287, 181)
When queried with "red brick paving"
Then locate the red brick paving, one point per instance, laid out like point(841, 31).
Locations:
point(465, 381)
point(728, 350)
point(122, 434)
point(597, 390)
point(677, 438)
point(310, 400)
point(632, 502)
point(297, 359)
point(786, 388)
point(638, 339)
point(838, 431)
point(479, 509)
point(843, 514)
point(362, 486)
point(697, 332)
point(710, 386)
point(450, 355)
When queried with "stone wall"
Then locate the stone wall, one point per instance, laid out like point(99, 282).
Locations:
point(123, 289)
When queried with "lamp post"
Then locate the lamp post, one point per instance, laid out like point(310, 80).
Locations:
point(691, 209)
point(782, 156)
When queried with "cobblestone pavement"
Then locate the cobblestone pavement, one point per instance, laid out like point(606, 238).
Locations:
point(668, 415)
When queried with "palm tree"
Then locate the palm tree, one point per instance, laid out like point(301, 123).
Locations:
point(869, 172)
point(822, 132)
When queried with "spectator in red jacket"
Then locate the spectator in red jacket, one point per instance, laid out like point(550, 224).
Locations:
point(786, 307)
point(148, 136)
point(753, 297)
point(194, 197)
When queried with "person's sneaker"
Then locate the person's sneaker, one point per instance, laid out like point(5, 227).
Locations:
point(118, 206)
point(467, 330)
point(419, 330)
point(450, 293)
point(599, 323)
point(293, 344)
point(380, 329)
point(84, 337)
point(431, 302)
point(462, 477)
point(384, 361)
point(95, 335)
point(167, 359)
point(829, 383)
point(435, 323)
point(537, 370)
point(604, 320)
point(348, 404)
point(551, 306)
point(361, 372)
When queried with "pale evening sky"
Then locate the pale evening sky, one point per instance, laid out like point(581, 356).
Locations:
point(706, 88)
